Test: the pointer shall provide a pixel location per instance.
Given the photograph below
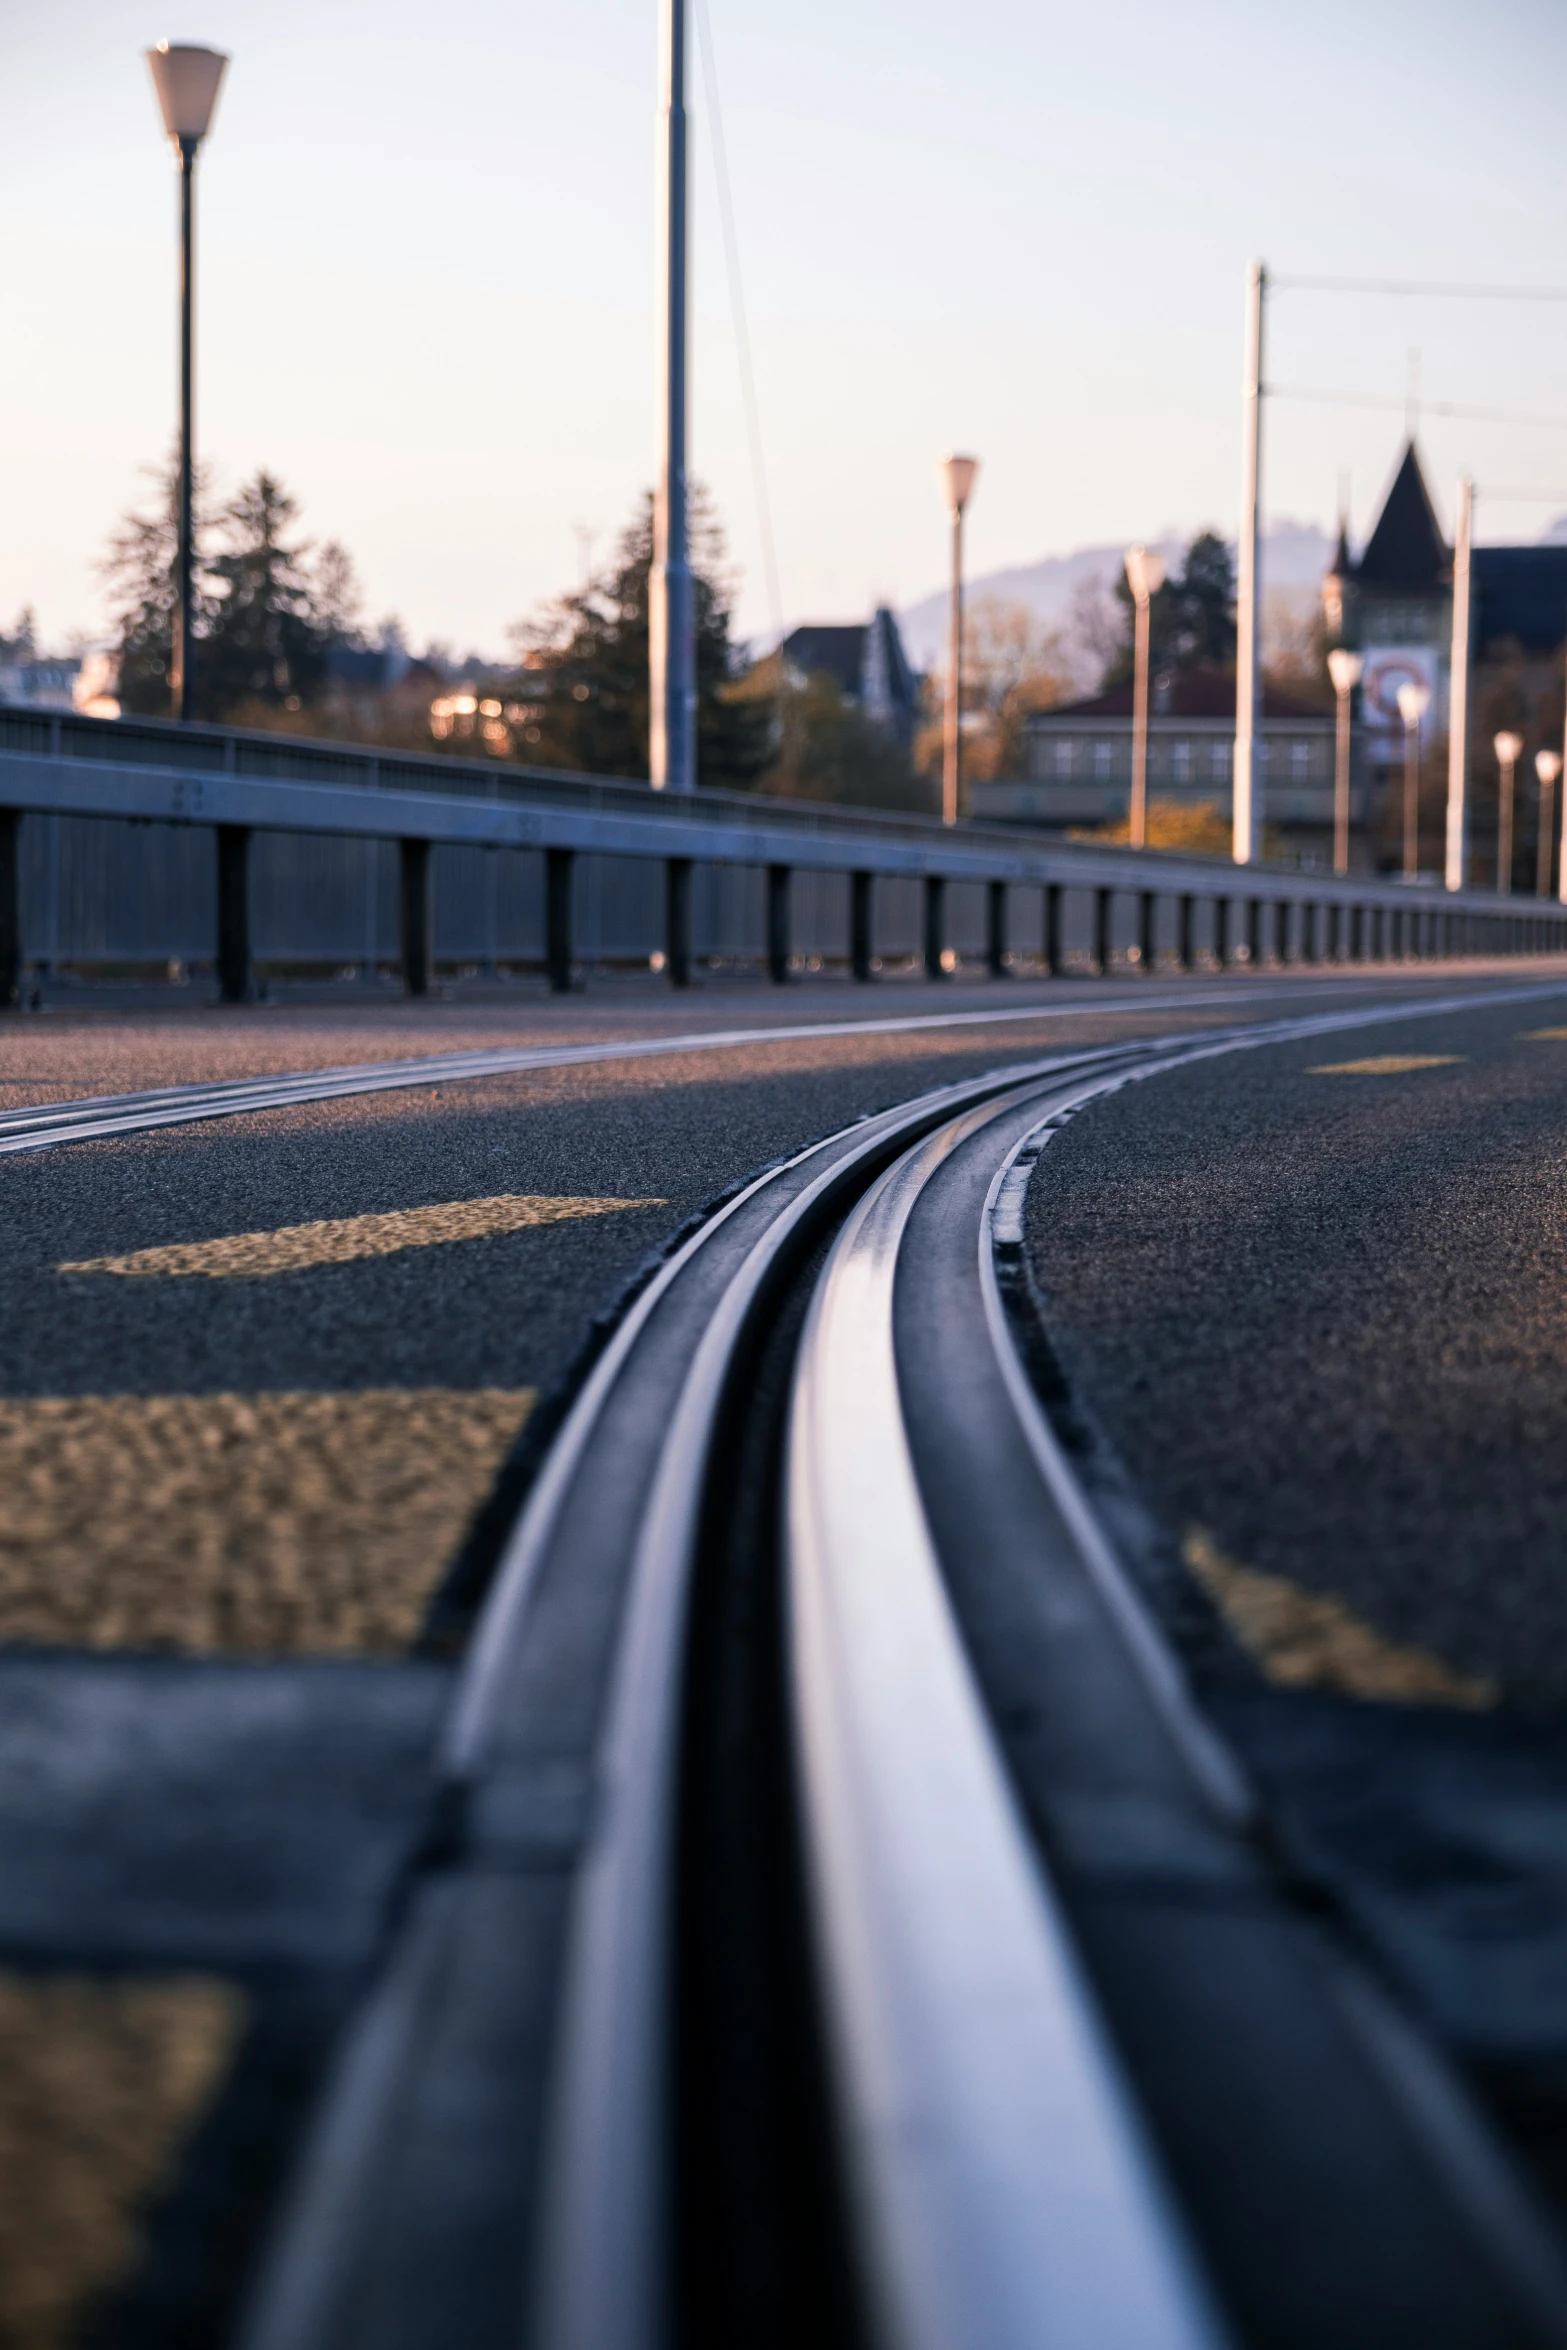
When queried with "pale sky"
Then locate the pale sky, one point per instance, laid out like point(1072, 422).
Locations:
point(426, 276)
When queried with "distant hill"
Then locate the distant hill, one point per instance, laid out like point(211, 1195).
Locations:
point(1295, 556)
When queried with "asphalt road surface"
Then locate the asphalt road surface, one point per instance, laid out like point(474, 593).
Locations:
point(272, 1386)
point(1308, 1307)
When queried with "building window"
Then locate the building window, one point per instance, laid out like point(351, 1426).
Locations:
point(1102, 762)
point(1181, 762)
point(1064, 760)
point(1219, 762)
point(1300, 762)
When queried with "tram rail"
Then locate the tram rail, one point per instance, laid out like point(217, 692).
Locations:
point(846, 1925)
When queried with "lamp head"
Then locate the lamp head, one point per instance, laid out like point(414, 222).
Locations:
point(1413, 703)
point(1507, 748)
point(186, 80)
point(957, 474)
point(1547, 766)
point(1144, 572)
point(1344, 667)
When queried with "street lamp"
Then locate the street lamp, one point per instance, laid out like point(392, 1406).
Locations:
point(186, 80)
point(957, 475)
point(1508, 749)
point(1145, 577)
point(1414, 700)
point(1345, 670)
point(1547, 766)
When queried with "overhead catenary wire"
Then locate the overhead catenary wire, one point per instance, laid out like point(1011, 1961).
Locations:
point(1455, 408)
point(753, 422)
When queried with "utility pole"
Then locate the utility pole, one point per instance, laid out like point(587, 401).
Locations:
point(1457, 867)
point(671, 599)
point(1248, 796)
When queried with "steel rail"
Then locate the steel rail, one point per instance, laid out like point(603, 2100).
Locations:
point(46, 1125)
point(606, 2174)
point(1006, 2194)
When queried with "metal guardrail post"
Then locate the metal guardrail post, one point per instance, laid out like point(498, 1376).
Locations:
point(1147, 932)
point(1224, 932)
point(559, 865)
point(1102, 931)
point(236, 972)
point(778, 879)
point(1254, 933)
point(10, 909)
point(996, 929)
point(1185, 931)
point(935, 924)
point(416, 919)
point(677, 920)
point(860, 924)
point(1055, 958)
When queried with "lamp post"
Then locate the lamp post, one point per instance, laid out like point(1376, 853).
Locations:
point(1547, 766)
point(186, 80)
point(957, 475)
point(1145, 577)
point(1413, 702)
point(1508, 749)
point(1345, 670)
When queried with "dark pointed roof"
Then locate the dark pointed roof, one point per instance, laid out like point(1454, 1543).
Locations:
point(1406, 552)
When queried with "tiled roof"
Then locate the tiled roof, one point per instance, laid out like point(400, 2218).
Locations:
point(1193, 693)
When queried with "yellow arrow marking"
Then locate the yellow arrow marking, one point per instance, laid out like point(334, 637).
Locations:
point(104, 2079)
point(1387, 1065)
point(339, 1240)
point(240, 1524)
point(1306, 1641)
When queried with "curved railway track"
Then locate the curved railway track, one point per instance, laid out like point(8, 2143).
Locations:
point(843, 1925)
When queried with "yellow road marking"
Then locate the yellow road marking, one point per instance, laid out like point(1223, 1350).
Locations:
point(341, 1239)
point(1387, 1065)
point(1544, 1035)
point(101, 2084)
point(240, 1524)
point(1306, 1641)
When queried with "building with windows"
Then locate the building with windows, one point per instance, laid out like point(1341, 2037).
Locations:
point(1079, 760)
point(1395, 607)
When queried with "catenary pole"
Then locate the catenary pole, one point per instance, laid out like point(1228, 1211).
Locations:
point(671, 600)
point(1248, 796)
point(1457, 865)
